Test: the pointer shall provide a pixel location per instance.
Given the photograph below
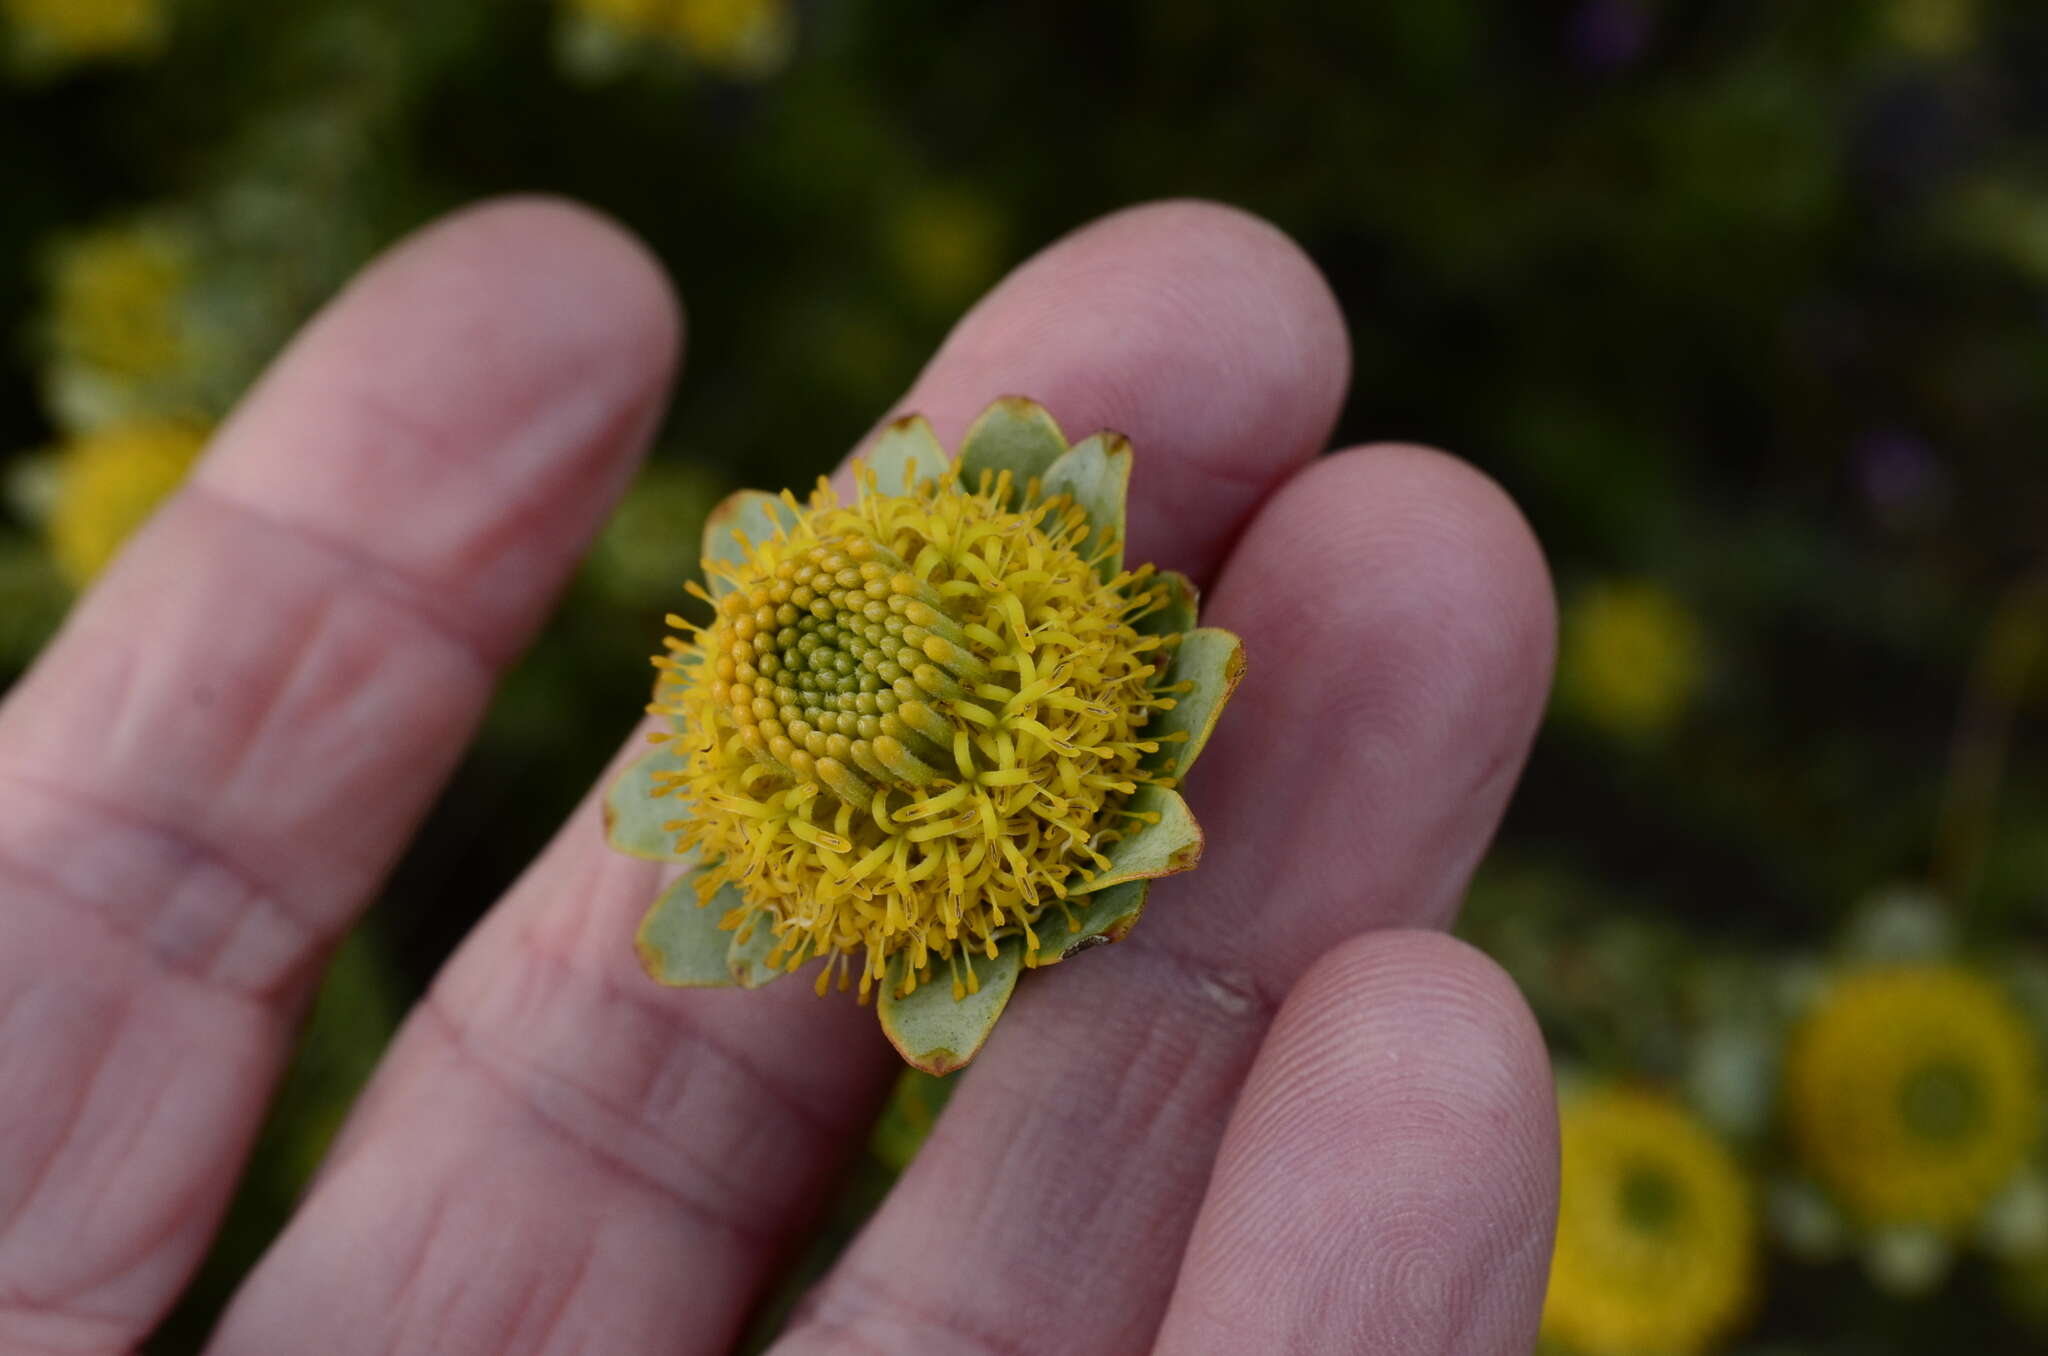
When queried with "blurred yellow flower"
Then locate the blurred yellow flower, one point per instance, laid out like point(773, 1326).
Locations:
point(107, 486)
point(1934, 28)
point(76, 30)
point(1656, 1239)
point(741, 37)
point(1630, 658)
point(114, 300)
point(1913, 1093)
point(639, 16)
point(736, 37)
point(948, 243)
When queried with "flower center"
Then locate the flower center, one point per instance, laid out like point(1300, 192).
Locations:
point(845, 669)
point(1650, 1200)
point(1942, 1101)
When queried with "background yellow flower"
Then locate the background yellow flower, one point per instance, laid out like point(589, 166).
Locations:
point(1656, 1240)
point(749, 38)
point(1913, 1093)
point(108, 484)
point(1630, 657)
point(72, 30)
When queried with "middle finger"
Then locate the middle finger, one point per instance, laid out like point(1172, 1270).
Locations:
point(1396, 619)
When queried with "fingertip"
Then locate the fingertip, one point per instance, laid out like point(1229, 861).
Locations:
point(1394, 602)
point(1421, 547)
point(1389, 1182)
point(1372, 998)
point(602, 291)
point(471, 405)
point(1201, 332)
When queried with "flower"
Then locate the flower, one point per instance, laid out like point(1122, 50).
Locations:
point(1913, 1093)
point(1656, 1239)
point(107, 484)
point(1630, 658)
point(947, 242)
point(128, 335)
point(114, 299)
point(63, 31)
point(741, 38)
point(931, 733)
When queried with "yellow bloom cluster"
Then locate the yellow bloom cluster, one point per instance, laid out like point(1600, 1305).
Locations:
point(114, 302)
point(1913, 1093)
point(1630, 658)
point(739, 37)
point(910, 724)
point(1656, 1239)
point(108, 483)
point(77, 30)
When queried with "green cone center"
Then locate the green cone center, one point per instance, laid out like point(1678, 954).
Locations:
point(1651, 1201)
point(1942, 1101)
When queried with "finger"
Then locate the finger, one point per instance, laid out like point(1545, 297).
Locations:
point(222, 752)
point(633, 1160)
point(1388, 1181)
point(1201, 334)
point(1397, 625)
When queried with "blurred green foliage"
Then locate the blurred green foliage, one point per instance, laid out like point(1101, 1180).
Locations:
point(1746, 303)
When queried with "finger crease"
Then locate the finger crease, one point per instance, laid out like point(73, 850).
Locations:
point(865, 1309)
point(405, 589)
point(514, 1081)
point(178, 860)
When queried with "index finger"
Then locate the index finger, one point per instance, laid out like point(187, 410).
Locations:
point(224, 749)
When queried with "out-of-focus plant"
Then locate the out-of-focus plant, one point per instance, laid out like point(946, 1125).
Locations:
point(737, 39)
point(107, 483)
point(1913, 1105)
point(1656, 1232)
point(47, 36)
point(1631, 656)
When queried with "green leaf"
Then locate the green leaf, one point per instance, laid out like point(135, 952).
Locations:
point(634, 815)
point(1014, 435)
point(904, 453)
point(741, 522)
point(934, 1032)
point(1104, 916)
point(1171, 844)
point(1097, 473)
point(1213, 660)
point(746, 958)
point(1182, 602)
point(680, 942)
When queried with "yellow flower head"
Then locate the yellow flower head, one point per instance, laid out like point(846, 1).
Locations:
point(907, 717)
point(740, 37)
point(1913, 1093)
point(107, 484)
point(933, 731)
point(1656, 1238)
point(114, 301)
point(73, 30)
point(1629, 658)
point(749, 38)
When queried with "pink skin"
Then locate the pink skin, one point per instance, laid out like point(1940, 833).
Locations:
point(210, 770)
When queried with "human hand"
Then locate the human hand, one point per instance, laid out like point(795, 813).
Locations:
point(1283, 1115)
